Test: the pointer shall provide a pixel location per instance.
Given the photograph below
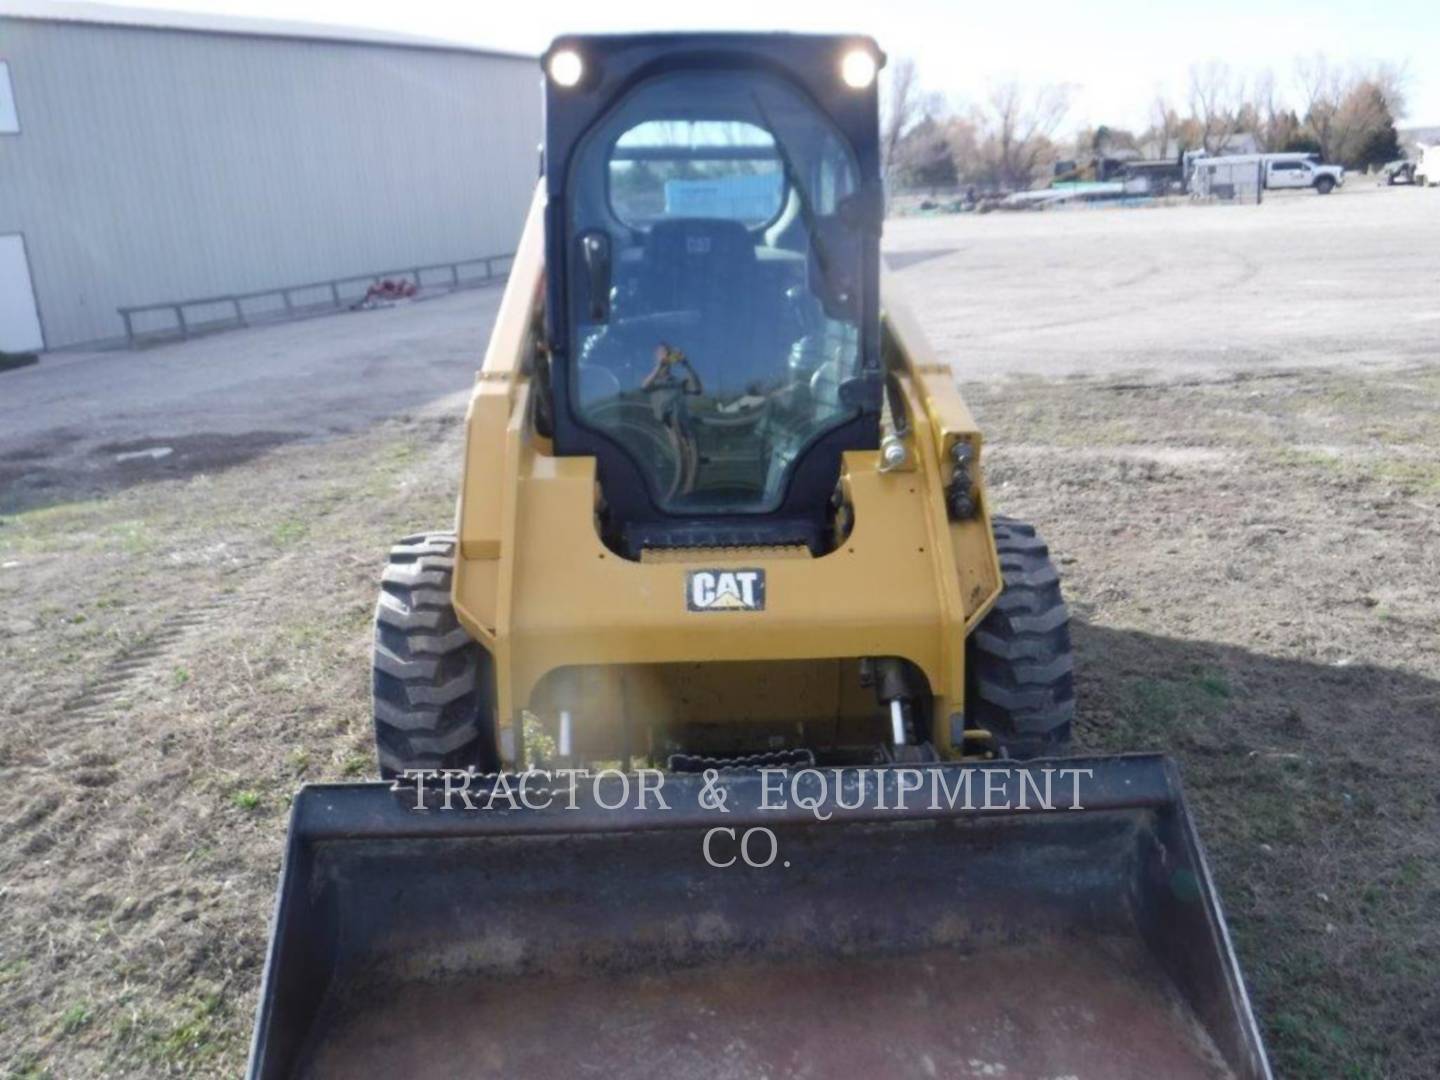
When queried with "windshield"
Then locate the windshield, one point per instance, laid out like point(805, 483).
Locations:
point(696, 168)
point(714, 287)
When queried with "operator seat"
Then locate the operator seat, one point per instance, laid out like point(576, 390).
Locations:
point(708, 266)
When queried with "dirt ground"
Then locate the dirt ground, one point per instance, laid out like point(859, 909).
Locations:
point(221, 400)
point(1301, 280)
point(1250, 541)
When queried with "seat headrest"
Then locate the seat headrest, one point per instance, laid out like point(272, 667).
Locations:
point(699, 238)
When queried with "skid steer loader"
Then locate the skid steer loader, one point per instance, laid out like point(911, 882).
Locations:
point(723, 539)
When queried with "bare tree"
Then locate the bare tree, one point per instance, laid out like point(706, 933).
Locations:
point(901, 104)
point(909, 128)
point(1217, 100)
point(1018, 127)
point(1167, 127)
point(1321, 89)
point(962, 135)
point(1349, 114)
point(1344, 108)
point(923, 158)
point(1393, 82)
point(1275, 125)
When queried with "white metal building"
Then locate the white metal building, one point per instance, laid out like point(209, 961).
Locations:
point(156, 158)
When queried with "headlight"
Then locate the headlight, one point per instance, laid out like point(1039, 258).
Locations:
point(858, 68)
point(566, 67)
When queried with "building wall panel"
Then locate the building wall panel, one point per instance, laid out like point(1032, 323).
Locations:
point(157, 164)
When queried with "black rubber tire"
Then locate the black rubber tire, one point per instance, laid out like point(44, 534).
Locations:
point(1324, 185)
point(1021, 669)
point(433, 685)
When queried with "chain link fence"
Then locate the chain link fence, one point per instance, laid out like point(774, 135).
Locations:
point(1229, 181)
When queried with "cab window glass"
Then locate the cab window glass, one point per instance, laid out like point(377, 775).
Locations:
point(714, 285)
point(696, 168)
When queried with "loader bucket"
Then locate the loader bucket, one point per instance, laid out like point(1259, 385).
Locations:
point(1018, 941)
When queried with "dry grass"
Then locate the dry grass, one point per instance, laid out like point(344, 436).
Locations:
point(1251, 564)
point(177, 659)
point(1254, 586)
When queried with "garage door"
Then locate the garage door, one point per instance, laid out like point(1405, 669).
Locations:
point(19, 321)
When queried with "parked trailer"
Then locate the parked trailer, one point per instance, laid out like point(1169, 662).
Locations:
point(1427, 169)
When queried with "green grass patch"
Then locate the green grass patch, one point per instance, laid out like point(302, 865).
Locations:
point(1415, 475)
point(44, 528)
point(26, 1066)
point(195, 1037)
point(1154, 705)
point(75, 1018)
point(1313, 459)
point(290, 531)
point(1316, 1040)
point(133, 537)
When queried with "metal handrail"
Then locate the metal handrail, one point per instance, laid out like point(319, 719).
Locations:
point(184, 327)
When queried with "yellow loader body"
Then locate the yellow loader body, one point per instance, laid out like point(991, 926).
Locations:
point(723, 512)
point(572, 625)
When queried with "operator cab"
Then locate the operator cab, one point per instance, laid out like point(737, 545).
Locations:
point(712, 234)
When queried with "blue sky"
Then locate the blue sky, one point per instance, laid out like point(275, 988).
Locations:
point(1117, 54)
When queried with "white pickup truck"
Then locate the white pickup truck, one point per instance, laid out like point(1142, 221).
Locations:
point(1301, 171)
point(1287, 170)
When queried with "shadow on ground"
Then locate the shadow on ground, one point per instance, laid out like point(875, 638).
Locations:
point(47, 474)
point(1314, 788)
